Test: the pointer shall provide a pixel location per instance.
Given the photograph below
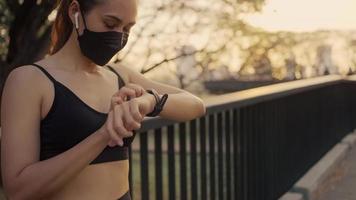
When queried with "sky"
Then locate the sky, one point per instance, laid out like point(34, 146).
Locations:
point(306, 15)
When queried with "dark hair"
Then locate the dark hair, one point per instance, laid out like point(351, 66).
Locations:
point(62, 27)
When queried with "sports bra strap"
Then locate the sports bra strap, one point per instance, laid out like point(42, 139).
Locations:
point(121, 81)
point(45, 72)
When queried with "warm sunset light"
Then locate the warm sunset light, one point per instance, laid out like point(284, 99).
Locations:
point(306, 15)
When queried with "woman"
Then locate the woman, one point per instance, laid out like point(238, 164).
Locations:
point(68, 137)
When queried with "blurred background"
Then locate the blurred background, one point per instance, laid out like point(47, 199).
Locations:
point(225, 45)
point(213, 47)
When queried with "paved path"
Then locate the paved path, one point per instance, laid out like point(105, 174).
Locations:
point(341, 185)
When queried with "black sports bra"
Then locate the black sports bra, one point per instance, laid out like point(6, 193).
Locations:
point(70, 120)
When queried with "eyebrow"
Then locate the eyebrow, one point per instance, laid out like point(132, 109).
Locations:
point(119, 20)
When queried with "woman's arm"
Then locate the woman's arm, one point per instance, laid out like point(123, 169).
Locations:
point(180, 106)
point(24, 176)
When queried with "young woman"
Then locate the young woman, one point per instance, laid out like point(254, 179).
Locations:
point(67, 119)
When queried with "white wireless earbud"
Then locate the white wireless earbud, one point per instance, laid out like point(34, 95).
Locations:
point(76, 16)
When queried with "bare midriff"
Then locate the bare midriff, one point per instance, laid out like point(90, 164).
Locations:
point(107, 180)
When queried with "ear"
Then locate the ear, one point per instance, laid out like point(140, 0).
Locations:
point(74, 8)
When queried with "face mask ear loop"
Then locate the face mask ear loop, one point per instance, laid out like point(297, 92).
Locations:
point(85, 23)
point(124, 38)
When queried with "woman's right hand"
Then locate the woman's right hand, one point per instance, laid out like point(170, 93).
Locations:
point(123, 119)
point(129, 90)
point(115, 127)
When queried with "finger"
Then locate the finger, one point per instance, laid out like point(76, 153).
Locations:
point(143, 91)
point(115, 100)
point(130, 122)
point(113, 134)
point(118, 123)
point(112, 143)
point(115, 139)
point(126, 92)
point(120, 94)
point(135, 111)
point(138, 89)
point(129, 119)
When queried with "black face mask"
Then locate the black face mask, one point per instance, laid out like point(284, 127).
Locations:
point(100, 47)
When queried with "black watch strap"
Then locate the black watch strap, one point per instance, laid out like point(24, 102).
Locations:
point(159, 103)
point(155, 94)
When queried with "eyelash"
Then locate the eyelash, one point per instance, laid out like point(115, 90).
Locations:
point(112, 27)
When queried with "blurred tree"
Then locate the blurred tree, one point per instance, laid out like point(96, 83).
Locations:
point(215, 28)
point(257, 56)
point(25, 28)
point(25, 31)
point(165, 27)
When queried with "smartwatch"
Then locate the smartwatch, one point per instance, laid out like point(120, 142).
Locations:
point(159, 102)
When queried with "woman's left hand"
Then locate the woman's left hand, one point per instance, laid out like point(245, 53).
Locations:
point(131, 91)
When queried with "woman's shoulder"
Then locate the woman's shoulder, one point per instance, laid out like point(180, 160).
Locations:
point(27, 77)
point(28, 73)
point(21, 92)
point(24, 74)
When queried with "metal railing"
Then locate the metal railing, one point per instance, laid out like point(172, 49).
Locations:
point(252, 144)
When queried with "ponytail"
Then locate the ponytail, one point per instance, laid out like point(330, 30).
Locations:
point(62, 27)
